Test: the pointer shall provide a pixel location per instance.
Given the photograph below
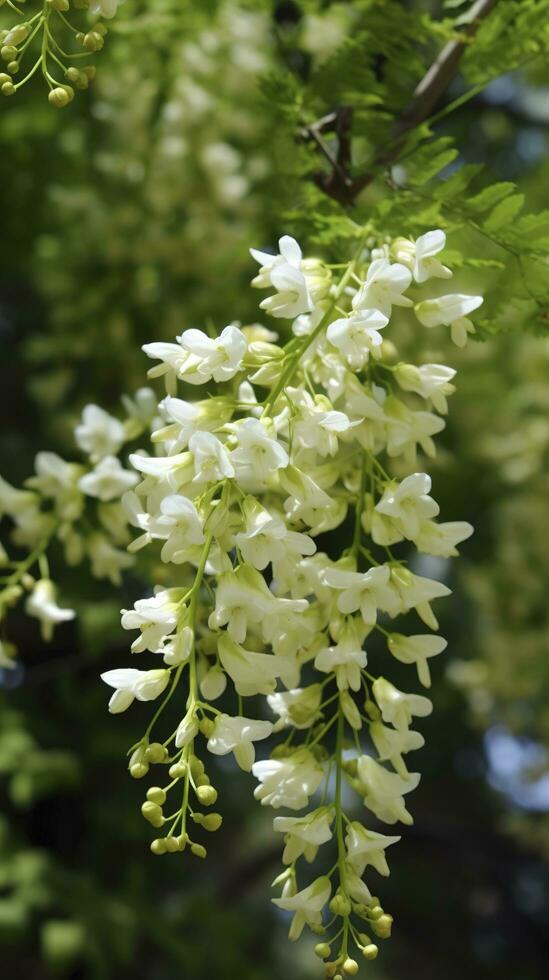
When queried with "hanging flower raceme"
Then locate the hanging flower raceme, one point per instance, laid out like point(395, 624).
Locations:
point(294, 441)
point(231, 501)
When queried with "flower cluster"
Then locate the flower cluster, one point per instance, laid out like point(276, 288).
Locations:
point(77, 504)
point(45, 28)
point(291, 442)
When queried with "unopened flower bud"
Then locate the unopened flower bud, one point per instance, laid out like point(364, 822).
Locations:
point(206, 726)
point(93, 41)
point(206, 795)
point(158, 846)
point(61, 96)
point(212, 822)
point(198, 850)
point(322, 950)
point(383, 926)
point(8, 52)
point(156, 752)
point(202, 780)
point(13, 67)
point(6, 78)
point(172, 845)
point(376, 912)
point(370, 952)
point(156, 795)
point(178, 769)
point(8, 88)
point(152, 813)
point(350, 967)
point(17, 34)
point(61, 5)
point(197, 766)
point(101, 28)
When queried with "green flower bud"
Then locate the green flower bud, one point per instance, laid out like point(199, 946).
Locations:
point(5, 78)
point(8, 88)
point(101, 28)
point(376, 912)
point(206, 795)
point(202, 780)
point(81, 4)
point(17, 34)
point(178, 769)
point(172, 844)
point(197, 767)
point(89, 71)
point(350, 967)
point(152, 813)
point(156, 753)
point(370, 952)
point(322, 950)
point(158, 846)
point(61, 96)
point(93, 41)
point(8, 52)
point(212, 822)
point(198, 850)
point(156, 795)
point(383, 926)
point(13, 67)
point(61, 5)
point(206, 726)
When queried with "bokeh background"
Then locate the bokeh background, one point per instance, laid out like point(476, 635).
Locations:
point(127, 218)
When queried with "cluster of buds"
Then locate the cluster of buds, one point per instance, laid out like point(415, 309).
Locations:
point(44, 29)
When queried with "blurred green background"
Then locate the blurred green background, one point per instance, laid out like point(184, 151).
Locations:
point(126, 218)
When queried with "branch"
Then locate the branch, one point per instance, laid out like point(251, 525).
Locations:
point(339, 183)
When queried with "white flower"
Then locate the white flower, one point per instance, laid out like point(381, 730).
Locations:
point(155, 617)
point(258, 455)
point(357, 335)
point(367, 591)
point(397, 708)
point(306, 905)
point(130, 683)
point(416, 650)
point(42, 605)
point(108, 480)
point(384, 791)
point(186, 731)
point(366, 847)
point(316, 425)
point(405, 429)
point(219, 358)
point(58, 479)
point(14, 501)
point(450, 310)
point(105, 8)
point(408, 503)
point(267, 539)
point(284, 272)
point(345, 660)
point(425, 264)
point(211, 459)
point(99, 434)
point(242, 597)
point(237, 735)
point(251, 673)
point(391, 744)
point(441, 538)
point(384, 286)
point(304, 835)
point(288, 782)
point(298, 708)
point(431, 381)
point(213, 683)
point(179, 525)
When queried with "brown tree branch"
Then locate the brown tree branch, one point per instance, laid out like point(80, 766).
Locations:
point(339, 183)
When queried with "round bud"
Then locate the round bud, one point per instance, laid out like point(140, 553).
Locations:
point(206, 726)
point(101, 28)
point(72, 74)
point(90, 71)
point(93, 41)
point(197, 766)
point(138, 770)
point(158, 846)
point(8, 52)
point(383, 926)
point(152, 813)
point(178, 769)
point(13, 67)
point(172, 845)
point(60, 5)
point(376, 912)
point(198, 850)
point(364, 938)
point(8, 88)
point(207, 795)
point(182, 842)
point(322, 950)
point(370, 952)
point(350, 967)
point(212, 822)
point(202, 780)
point(61, 96)
point(156, 795)
point(6, 78)
point(156, 752)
